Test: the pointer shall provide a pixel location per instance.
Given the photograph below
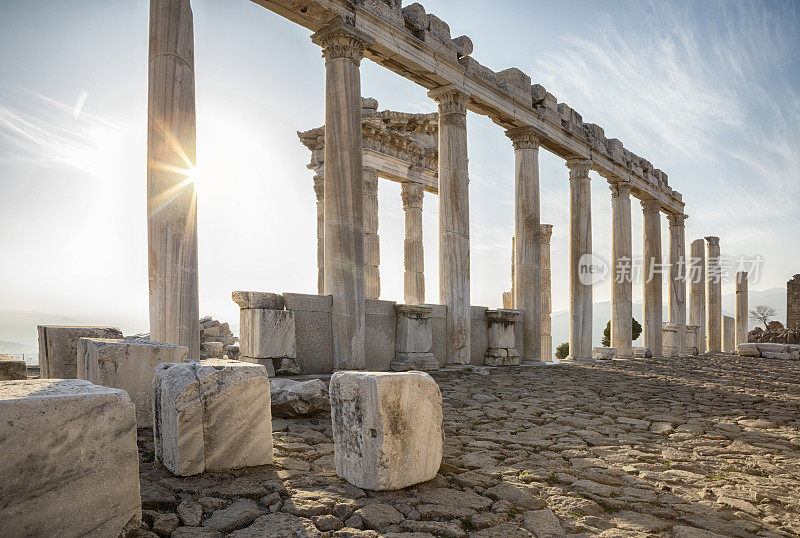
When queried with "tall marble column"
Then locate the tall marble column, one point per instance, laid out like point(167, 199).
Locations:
point(677, 277)
point(171, 201)
point(372, 250)
point(526, 290)
point(652, 274)
point(741, 307)
point(697, 292)
point(454, 282)
point(413, 253)
point(344, 192)
point(319, 190)
point(713, 295)
point(622, 266)
point(580, 245)
point(545, 233)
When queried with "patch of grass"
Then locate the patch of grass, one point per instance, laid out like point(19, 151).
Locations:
point(576, 515)
point(762, 472)
point(552, 478)
point(667, 463)
point(467, 524)
point(513, 513)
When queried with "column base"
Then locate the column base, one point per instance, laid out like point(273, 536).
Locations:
point(587, 360)
point(404, 362)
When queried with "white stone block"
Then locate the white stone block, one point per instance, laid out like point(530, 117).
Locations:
point(749, 350)
point(211, 415)
point(604, 353)
point(770, 347)
point(128, 365)
point(70, 465)
point(387, 428)
point(12, 369)
point(58, 348)
point(267, 334)
point(501, 328)
point(414, 333)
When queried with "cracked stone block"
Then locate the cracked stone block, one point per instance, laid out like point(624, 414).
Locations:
point(267, 334)
point(128, 365)
point(211, 415)
point(749, 350)
point(58, 348)
point(12, 369)
point(463, 45)
point(604, 353)
point(387, 428)
point(70, 464)
point(260, 299)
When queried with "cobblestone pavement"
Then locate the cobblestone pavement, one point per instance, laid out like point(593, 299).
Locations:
point(675, 447)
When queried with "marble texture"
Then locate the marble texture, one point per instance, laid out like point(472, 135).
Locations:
point(372, 251)
point(70, 464)
point(545, 233)
point(267, 334)
point(58, 348)
point(387, 428)
point(171, 198)
point(713, 295)
point(728, 334)
point(651, 328)
point(697, 287)
point(677, 280)
point(501, 338)
point(621, 277)
point(413, 339)
point(413, 252)
point(580, 234)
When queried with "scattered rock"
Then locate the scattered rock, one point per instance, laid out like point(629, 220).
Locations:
point(292, 398)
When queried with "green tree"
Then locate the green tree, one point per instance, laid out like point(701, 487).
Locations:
point(562, 351)
point(636, 330)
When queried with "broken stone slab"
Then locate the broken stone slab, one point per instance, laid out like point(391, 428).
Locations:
point(58, 348)
point(387, 428)
point(749, 350)
point(604, 353)
point(769, 347)
point(12, 369)
point(70, 464)
point(267, 334)
point(211, 415)
point(261, 299)
point(641, 352)
point(128, 365)
point(463, 45)
point(291, 398)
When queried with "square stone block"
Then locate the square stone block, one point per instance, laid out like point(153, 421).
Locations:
point(58, 348)
point(314, 338)
point(501, 327)
point(70, 465)
point(642, 352)
point(12, 369)
point(211, 415)
point(387, 428)
point(604, 353)
point(414, 332)
point(749, 350)
point(258, 299)
point(128, 365)
point(267, 334)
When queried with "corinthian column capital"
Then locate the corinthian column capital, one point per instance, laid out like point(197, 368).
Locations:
point(676, 219)
point(619, 188)
point(341, 41)
point(525, 137)
point(579, 168)
point(412, 195)
point(451, 99)
point(712, 240)
point(651, 205)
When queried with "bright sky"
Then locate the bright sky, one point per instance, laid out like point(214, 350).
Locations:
point(707, 91)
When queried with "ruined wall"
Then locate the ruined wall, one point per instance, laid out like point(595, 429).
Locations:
point(793, 303)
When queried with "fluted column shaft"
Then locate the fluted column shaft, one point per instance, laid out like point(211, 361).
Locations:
point(171, 201)
point(319, 191)
point(372, 250)
point(697, 288)
point(454, 284)
point(652, 267)
point(677, 277)
point(413, 253)
point(545, 232)
point(344, 193)
point(741, 307)
point(526, 290)
point(622, 281)
point(713, 295)
point(580, 245)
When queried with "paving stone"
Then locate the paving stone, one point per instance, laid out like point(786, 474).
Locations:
point(238, 515)
point(378, 516)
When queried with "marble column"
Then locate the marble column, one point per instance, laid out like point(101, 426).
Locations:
point(728, 334)
point(697, 292)
point(526, 290)
point(319, 190)
point(580, 246)
point(344, 192)
point(652, 267)
point(454, 285)
point(545, 233)
point(741, 307)
point(413, 253)
point(713, 295)
point(372, 250)
point(677, 277)
point(171, 200)
point(622, 270)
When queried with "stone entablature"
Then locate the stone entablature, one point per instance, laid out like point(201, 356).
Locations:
point(418, 46)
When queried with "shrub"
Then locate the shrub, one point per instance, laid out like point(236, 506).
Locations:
point(562, 351)
point(636, 330)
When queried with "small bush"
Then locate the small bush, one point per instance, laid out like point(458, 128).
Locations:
point(562, 351)
point(636, 330)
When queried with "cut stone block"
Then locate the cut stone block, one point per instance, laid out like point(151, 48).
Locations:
point(413, 339)
point(749, 350)
point(387, 428)
point(70, 465)
point(12, 369)
point(267, 334)
point(266, 363)
point(604, 353)
point(58, 348)
point(642, 352)
point(258, 299)
point(501, 349)
point(128, 365)
point(211, 415)
point(212, 350)
point(669, 338)
point(769, 347)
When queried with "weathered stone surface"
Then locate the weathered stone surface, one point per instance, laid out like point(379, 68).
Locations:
point(58, 348)
point(387, 428)
point(749, 350)
point(239, 514)
point(267, 334)
point(211, 415)
point(642, 352)
point(258, 299)
point(291, 398)
point(604, 353)
point(413, 339)
point(128, 365)
point(12, 369)
point(279, 525)
point(69, 462)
